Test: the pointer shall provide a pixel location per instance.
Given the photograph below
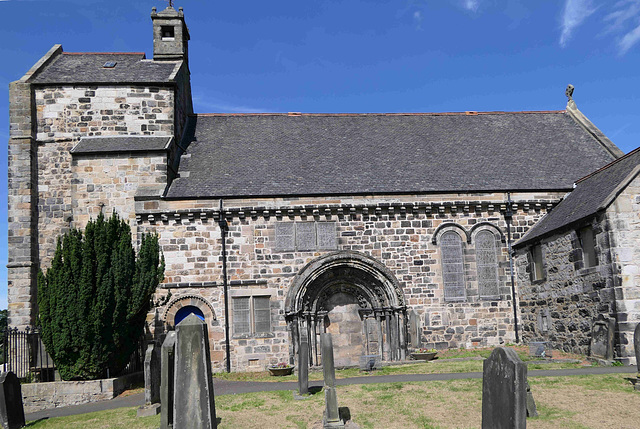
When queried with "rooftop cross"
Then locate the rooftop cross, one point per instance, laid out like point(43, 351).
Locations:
point(170, 2)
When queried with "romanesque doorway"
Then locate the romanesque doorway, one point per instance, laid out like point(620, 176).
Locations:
point(357, 300)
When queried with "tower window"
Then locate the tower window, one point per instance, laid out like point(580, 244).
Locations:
point(167, 31)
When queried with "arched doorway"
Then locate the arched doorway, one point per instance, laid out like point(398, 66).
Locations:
point(356, 299)
point(183, 312)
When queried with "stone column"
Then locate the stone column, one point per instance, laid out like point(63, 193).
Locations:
point(23, 217)
point(303, 367)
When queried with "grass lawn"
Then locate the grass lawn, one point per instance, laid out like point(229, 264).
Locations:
point(578, 402)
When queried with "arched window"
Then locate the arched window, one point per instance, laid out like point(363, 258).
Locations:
point(487, 264)
point(185, 311)
point(452, 266)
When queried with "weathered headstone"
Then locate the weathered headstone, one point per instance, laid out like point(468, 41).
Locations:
point(193, 401)
point(11, 407)
point(331, 417)
point(414, 329)
point(602, 337)
point(532, 411)
point(152, 376)
point(636, 347)
point(370, 362)
point(504, 391)
point(166, 380)
point(540, 349)
point(303, 367)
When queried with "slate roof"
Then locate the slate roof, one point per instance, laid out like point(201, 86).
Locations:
point(95, 145)
point(342, 154)
point(70, 67)
point(592, 194)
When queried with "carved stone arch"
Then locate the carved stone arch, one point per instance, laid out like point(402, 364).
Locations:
point(451, 226)
point(486, 226)
point(340, 265)
point(183, 301)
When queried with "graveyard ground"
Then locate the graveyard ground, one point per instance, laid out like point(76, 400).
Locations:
point(576, 402)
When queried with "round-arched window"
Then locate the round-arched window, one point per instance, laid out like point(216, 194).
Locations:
point(185, 311)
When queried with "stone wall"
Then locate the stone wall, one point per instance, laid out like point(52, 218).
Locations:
point(624, 235)
point(397, 233)
point(46, 396)
point(561, 307)
point(70, 112)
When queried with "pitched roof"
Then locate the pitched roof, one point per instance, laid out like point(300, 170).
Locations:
point(95, 145)
point(342, 154)
point(593, 193)
point(86, 67)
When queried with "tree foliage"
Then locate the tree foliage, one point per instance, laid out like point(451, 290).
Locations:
point(94, 298)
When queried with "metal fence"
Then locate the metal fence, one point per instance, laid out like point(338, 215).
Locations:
point(24, 354)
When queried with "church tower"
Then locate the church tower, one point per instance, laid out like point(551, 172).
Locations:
point(170, 35)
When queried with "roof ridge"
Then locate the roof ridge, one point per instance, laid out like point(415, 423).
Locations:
point(467, 113)
point(103, 53)
point(615, 161)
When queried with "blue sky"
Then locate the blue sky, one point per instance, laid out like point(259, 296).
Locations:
point(360, 56)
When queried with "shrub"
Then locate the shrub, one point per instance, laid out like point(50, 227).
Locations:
point(94, 298)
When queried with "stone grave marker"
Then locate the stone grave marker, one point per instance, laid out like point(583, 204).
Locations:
point(193, 400)
point(504, 391)
point(167, 368)
point(303, 367)
point(331, 417)
point(636, 347)
point(370, 362)
point(602, 337)
point(152, 377)
point(532, 410)
point(11, 407)
point(414, 329)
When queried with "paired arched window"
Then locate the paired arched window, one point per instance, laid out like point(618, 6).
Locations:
point(452, 266)
point(487, 264)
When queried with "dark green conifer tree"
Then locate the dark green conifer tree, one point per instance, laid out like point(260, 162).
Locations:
point(94, 298)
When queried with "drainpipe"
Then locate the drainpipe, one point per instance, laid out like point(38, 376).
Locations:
point(223, 233)
point(508, 217)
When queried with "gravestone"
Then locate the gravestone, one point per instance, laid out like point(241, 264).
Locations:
point(193, 399)
point(370, 362)
point(167, 367)
point(602, 337)
point(540, 349)
point(331, 417)
point(303, 367)
point(532, 410)
point(152, 377)
point(504, 391)
point(414, 329)
point(11, 407)
point(636, 347)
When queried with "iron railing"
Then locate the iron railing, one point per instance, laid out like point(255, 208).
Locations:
point(24, 354)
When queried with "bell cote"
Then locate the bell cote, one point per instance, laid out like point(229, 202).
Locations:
point(170, 35)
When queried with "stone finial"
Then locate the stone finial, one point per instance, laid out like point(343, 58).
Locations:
point(569, 92)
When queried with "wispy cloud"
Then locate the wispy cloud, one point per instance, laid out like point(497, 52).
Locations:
point(216, 106)
point(417, 18)
point(574, 14)
point(471, 5)
point(624, 21)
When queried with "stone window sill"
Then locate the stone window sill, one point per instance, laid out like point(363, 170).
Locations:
point(587, 271)
point(538, 281)
point(491, 298)
point(251, 336)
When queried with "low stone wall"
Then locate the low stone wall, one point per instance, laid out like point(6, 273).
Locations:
point(44, 396)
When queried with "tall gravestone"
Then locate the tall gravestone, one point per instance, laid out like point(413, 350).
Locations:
point(303, 367)
point(167, 368)
point(504, 391)
point(152, 377)
point(11, 407)
point(636, 348)
point(414, 329)
point(193, 399)
point(331, 417)
point(602, 337)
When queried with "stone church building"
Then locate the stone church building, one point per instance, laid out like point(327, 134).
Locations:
point(388, 230)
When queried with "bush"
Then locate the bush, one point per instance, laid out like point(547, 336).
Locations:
point(94, 298)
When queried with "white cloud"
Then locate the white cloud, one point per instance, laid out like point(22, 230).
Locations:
point(624, 20)
point(628, 40)
point(574, 14)
point(471, 5)
point(417, 18)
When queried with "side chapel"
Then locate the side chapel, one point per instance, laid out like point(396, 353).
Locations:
point(390, 231)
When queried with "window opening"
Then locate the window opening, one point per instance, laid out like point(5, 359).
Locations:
point(487, 263)
point(168, 32)
point(251, 315)
point(537, 269)
point(452, 266)
point(588, 245)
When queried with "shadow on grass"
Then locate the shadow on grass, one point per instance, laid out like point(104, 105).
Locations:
point(34, 422)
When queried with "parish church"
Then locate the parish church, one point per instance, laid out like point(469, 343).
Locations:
point(390, 231)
